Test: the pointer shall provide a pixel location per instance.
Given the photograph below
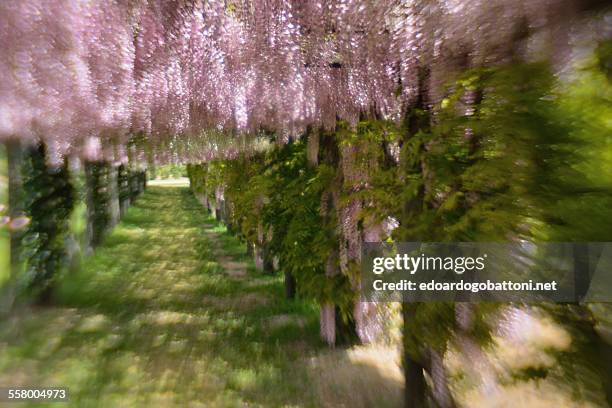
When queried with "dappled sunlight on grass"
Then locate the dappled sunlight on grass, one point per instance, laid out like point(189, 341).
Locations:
point(519, 368)
point(363, 376)
point(135, 329)
point(168, 312)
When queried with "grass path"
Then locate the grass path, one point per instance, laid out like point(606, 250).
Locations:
point(168, 312)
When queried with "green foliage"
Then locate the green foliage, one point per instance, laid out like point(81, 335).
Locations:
point(280, 190)
point(215, 177)
point(582, 212)
point(497, 150)
point(96, 174)
point(368, 145)
point(303, 239)
point(511, 155)
point(245, 190)
point(137, 180)
point(204, 178)
point(123, 181)
point(493, 121)
point(583, 209)
point(49, 201)
point(170, 171)
point(197, 177)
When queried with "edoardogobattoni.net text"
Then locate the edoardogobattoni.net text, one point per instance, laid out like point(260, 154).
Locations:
point(463, 286)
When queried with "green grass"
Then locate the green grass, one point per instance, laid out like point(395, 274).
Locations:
point(153, 319)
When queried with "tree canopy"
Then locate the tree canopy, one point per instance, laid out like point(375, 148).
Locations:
point(191, 78)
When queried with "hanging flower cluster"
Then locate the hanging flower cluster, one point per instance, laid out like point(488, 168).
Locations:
point(85, 75)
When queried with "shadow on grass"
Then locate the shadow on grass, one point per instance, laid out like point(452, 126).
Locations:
point(152, 319)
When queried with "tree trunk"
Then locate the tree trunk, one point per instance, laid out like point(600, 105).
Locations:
point(346, 331)
point(441, 391)
point(369, 321)
point(328, 324)
point(205, 203)
point(582, 279)
point(268, 263)
point(227, 217)
point(14, 153)
point(219, 200)
point(312, 148)
point(97, 200)
point(414, 391)
point(113, 193)
point(325, 150)
point(49, 200)
point(123, 187)
point(218, 216)
point(88, 245)
point(143, 181)
point(259, 247)
point(290, 285)
point(415, 387)
point(259, 258)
